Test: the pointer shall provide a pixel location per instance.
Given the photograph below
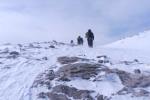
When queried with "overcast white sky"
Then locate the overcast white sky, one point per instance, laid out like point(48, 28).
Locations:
point(43, 20)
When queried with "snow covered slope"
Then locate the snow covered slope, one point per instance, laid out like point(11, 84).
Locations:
point(139, 42)
point(24, 72)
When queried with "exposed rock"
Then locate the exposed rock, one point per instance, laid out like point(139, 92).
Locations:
point(44, 79)
point(13, 54)
point(42, 95)
point(45, 58)
point(133, 80)
point(52, 46)
point(126, 78)
point(103, 59)
point(134, 92)
point(102, 97)
point(62, 92)
point(53, 96)
point(69, 60)
point(33, 46)
point(103, 56)
point(141, 93)
point(73, 92)
point(73, 70)
point(127, 62)
point(5, 51)
point(6, 67)
point(125, 91)
point(135, 61)
point(81, 70)
point(64, 78)
point(137, 71)
point(20, 45)
point(50, 75)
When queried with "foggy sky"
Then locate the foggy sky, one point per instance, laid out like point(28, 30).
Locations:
point(45, 20)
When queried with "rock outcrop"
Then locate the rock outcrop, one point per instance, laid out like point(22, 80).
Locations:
point(69, 60)
point(75, 68)
point(80, 70)
point(62, 92)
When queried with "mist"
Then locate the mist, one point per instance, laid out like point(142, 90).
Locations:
point(35, 20)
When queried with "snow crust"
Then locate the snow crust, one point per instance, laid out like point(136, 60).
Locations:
point(17, 75)
point(139, 42)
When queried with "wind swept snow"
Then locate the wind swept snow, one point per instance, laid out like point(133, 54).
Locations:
point(21, 64)
point(139, 42)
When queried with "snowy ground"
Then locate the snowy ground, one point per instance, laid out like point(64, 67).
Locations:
point(17, 74)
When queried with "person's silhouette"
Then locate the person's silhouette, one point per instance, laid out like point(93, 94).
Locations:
point(90, 38)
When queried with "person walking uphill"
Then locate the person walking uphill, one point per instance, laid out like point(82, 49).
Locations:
point(80, 40)
point(90, 38)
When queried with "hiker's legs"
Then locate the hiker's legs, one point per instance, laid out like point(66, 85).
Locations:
point(90, 42)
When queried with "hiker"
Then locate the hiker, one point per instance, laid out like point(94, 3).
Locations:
point(80, 40)
point(90, 38)
point(72, 43)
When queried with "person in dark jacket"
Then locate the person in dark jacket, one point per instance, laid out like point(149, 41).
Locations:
point(72, 43)
point(80, 40)
point(90, 38)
